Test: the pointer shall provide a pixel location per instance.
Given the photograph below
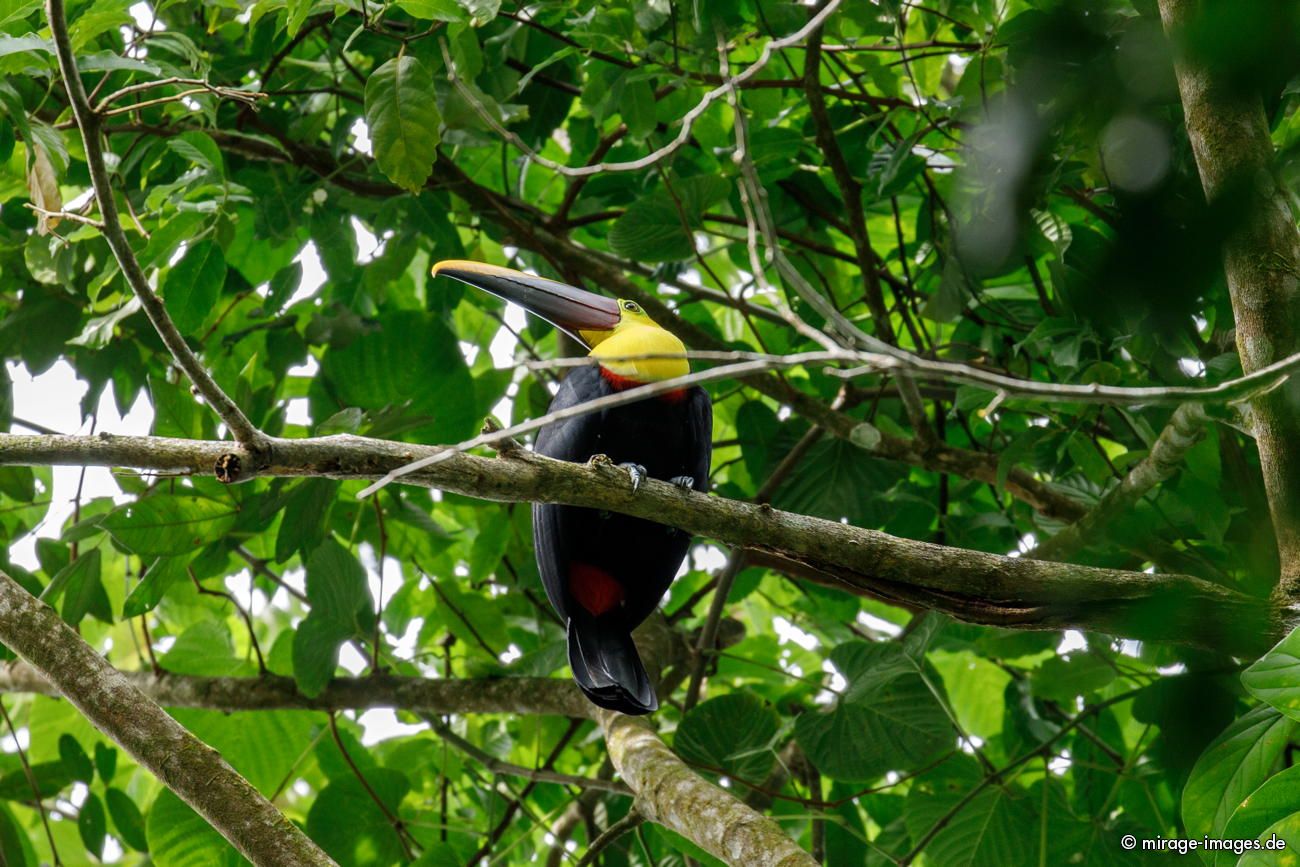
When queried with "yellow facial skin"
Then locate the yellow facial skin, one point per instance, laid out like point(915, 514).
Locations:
point(637, 334)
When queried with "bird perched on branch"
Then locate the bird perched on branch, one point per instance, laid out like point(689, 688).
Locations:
point(605, 572)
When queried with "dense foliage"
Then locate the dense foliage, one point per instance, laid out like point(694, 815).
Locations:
point(1029, 204)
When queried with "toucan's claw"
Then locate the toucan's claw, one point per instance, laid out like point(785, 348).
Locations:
point(637, 472)
point(686, 483)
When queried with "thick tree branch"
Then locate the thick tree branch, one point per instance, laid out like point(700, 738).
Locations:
point(1230, 138)
point(89, 123)
point(971, 585)
point(505, 695)
point(1183, 431)
point(183, 763)
point(671, 794)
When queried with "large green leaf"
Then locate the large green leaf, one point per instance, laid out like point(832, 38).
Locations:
point(404, 122)
point(732, 734)
point(999, 826)
point(1285, 832)
point(658, 227)
point(127, 819)
point(341, 609)
point(92, 824)
point(350, 826)
point(1272, 802)
point(193, 286)
point(1232, 767)
point(167, 525)
point(263, 746)
point(408, 360)
point(1275, 677)
point(887, 720)
point(178, 837)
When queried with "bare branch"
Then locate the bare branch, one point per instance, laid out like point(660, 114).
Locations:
point(503, 695)
point(671, 794)
point(182, 762)
point(971, 585)
point(1182, 432)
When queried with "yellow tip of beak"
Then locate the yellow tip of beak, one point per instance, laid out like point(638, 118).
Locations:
point(463, 265)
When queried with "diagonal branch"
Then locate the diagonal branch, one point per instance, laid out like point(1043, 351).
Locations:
point(182, 762)
point(89, 122)
point(671, 794)
point(971, 585)
point(1183, 431)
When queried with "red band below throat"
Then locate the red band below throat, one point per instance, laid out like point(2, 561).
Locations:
point(623, 383)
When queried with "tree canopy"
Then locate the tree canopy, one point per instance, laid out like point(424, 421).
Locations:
point(989, 572)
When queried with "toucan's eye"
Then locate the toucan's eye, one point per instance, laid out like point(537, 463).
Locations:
point(631, 306)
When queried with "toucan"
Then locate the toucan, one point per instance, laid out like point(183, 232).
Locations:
point(604, 573)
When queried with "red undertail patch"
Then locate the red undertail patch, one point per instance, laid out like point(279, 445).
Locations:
point(594, 588)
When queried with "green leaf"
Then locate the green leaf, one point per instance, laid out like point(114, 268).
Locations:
point(887, 720)
point(17, 10)
point(999, 826)
point(296, 12)
point(658, 228)
point(1274, 678)
point(638, 108)
point(178, 837)
point(75, 584)
point(336, 584)
point(75, 758)
point(404, 122)
point(203, 649)
point(1232, 767)
point(350, 826)
point(434, 10)
point(162, 574)
point(92, 824)
point(127, 819)
point(481, 11)
point(105, 762)
point(316, 645)
point(1283, 836)
point(1278, 798)
point(167, 525)
point(1063, 678)
point(199, 148)
point(193, 286)
point(12, 837)
point(263, 746)
point(306, 512)
point(51, 778)
point(731, 734)
point(411, 360)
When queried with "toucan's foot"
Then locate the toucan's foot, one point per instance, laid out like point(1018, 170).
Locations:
point(637, 472)
point(686, 483)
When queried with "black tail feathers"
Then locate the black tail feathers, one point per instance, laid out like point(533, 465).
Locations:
point(606, 666)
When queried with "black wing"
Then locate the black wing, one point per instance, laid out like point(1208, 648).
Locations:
point(699, 419)
point(576, 440)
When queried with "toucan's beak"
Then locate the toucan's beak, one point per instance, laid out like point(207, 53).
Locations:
point(568, 308)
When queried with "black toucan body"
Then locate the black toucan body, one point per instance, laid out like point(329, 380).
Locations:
point(604, 572)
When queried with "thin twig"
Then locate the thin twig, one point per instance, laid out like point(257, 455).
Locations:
point(499, 766)
point(687, 122)
point(31, 781)
point(611, 834)
point(399, 827)
point(89, 123)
